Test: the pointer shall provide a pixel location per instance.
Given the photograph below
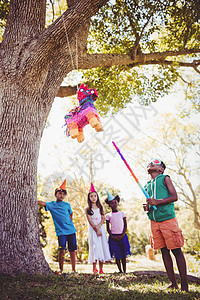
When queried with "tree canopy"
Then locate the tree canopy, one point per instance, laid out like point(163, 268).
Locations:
point(137, 48)
point(161, 37)
point(142, 48)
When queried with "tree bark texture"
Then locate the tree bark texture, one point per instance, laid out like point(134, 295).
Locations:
point(33, 64)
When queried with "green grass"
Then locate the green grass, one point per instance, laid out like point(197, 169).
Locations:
point(86, 286)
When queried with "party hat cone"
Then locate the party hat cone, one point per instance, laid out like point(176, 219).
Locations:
point(110, 197)
point(92, 189)
point(63, 185)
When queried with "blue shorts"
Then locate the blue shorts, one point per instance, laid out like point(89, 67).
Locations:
point(70, 239)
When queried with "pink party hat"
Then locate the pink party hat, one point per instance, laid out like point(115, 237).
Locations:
point(92, 189)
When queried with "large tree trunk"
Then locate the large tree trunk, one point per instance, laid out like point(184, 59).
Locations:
point(33, 63)
point(21, 133)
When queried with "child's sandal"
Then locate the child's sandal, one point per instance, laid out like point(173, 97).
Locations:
point(58, 272)
point(95, 271)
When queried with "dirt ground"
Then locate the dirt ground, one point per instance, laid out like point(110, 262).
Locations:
point(134, 263)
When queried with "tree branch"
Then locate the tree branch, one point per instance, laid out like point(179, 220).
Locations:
point(181, 77)
point(138, 35)
point(54, 42)
point(167, 62)
point(69, 2)
point(66, 91)
point(196, 63)
point(193, 64)
point(108, 60)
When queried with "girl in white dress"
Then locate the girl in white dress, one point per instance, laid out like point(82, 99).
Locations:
point(98, 243)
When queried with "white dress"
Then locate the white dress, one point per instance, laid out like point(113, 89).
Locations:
point(98, 245)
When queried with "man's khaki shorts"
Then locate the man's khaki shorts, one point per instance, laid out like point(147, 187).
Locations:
point(166, 234)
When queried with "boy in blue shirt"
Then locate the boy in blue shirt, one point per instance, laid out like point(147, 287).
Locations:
point(66, 232)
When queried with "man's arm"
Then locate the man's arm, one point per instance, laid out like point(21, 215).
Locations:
point(41, 203)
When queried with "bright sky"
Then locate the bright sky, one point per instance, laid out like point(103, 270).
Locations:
point(59, 153)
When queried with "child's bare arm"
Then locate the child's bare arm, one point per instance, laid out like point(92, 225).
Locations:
point(90, 220)
point(120, 236)
point(167, 200)
point(41, 203)
point(108, 227)
point(109, 231)
point(102, 221)
point(98, 232)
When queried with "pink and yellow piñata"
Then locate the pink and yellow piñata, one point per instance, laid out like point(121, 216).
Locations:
point(84, 114)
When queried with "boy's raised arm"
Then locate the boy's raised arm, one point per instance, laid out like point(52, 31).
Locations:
point(41, 203)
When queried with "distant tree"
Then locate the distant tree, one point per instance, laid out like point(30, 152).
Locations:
point(42, 231)
point(191, 234)
point(4, 9)
point(42, 217)
point(175, 139)
point(181, 139)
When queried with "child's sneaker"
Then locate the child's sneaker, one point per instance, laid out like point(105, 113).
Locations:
point(101, 272)
point(95, 271)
